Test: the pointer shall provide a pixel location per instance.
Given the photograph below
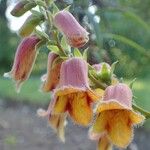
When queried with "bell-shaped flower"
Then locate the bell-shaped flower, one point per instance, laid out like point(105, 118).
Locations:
point(24, 60)
point(75, 34)
point(73, 95)
point(115, 116)
point(51, 79)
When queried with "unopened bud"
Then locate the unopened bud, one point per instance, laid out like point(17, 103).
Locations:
point(30, 24)
point(22, 7)
point(75, 34)
point(24, 60)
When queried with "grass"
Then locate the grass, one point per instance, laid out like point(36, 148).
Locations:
point(30, 93)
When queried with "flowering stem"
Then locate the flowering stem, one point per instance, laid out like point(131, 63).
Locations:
point(142, 111)
point(46, 10)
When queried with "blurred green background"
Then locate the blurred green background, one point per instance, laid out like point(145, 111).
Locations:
point(119, 30)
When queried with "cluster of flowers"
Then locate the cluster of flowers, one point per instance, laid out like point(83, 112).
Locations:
point(113, 118)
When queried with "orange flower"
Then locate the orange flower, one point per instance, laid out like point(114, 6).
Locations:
point(115, 117)
point(51, 79)
point(73, 94)
point(24, 60)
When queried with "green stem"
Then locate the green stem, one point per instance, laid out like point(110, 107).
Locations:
point(46, 9)
point(141, 110)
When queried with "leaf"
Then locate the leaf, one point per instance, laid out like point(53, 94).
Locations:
point(64, 45)
point(36, 13)
point(77, 53)
point(64, 58)
point(55, 8)
point(131, 83)
point(40, 3)
point(85, 54)
point(53, 48)
point(67, 8)
point(113, 66)
point(42, 34)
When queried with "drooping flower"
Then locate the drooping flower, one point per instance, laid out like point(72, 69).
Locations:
point(22, 7)
point(24, 60)
point(73, 95)
point(51, 79)
point(115, 116)
point(75, 34)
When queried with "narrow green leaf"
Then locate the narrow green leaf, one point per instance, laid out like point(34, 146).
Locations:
point(53, 48)
point(85, 54)
point(67, 8)
point(55, 8)
point(40, 3)
point(36, 13)
point(64, 45)
point(42, 34)
point(131, 83)
point(77, 53)
point(113, 66)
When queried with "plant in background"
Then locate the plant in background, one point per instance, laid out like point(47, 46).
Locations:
point(76, 86)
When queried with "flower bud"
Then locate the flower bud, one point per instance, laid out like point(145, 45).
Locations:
point(98, 67)
point(30, 24)
point(75, 34)
point(24, 60)
point(22, 7)
point(51, 79)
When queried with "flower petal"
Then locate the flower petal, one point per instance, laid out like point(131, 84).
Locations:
point(104, 144)
point(100, 124)
point(136, 118)
point(57, 122)
point(60, 105)
point(119, 128)
point(111, 105)
point(80, 109)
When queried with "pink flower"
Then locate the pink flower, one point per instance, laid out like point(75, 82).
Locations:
point(75, 34)
point(115, 116)
point(24, 60)
point(73, 94)
point(51, 79)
